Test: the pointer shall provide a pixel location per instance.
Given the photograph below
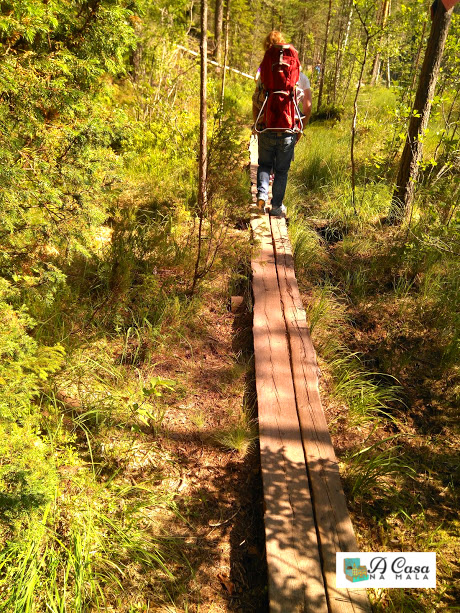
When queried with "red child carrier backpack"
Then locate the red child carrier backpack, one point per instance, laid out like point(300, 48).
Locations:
point(279, 73)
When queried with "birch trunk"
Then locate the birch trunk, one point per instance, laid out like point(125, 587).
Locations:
point(218, 21)
point(227, 15)
point(403, 195)
point(341, 48)
point(324, 57)
point(381, 21)
point(202, 172)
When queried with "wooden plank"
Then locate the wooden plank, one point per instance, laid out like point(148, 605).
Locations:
point(294, 568)
point(332, 518)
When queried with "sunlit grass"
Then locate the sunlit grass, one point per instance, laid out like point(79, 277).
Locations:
point(240, 437)
point(383, 312)
point(79, 551)
point(368, 469)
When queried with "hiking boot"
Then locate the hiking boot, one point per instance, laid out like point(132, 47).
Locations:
point(278, 212)
point(261, 204)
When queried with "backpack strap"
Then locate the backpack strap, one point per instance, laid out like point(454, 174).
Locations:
point(280, 62)
point(260, 114)
point(296, 130)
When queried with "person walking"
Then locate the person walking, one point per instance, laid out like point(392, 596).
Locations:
point(276, 146)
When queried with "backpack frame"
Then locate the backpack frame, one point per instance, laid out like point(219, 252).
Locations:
point(279, 73)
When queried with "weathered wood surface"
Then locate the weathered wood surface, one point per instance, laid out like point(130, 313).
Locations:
point(306, 518)
point(294, 568)
point(333, 522)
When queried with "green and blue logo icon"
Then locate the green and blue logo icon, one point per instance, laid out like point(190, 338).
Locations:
point(354, 570)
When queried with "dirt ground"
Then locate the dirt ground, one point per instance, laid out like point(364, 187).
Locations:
point(220, 494)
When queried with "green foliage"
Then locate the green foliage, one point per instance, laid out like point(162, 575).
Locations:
point(68, 535)
point(54, 155)
point(84, 567)
point(28, 476)
point(65, 140)
point(149, 411)
point(329, 112)
point(375, 469)
point(24, 365)
point(240, 438)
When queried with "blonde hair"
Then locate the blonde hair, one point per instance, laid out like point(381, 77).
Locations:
point(273, 38)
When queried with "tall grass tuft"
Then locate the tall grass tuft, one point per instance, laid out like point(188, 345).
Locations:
point(240, 437)
point(365, 397)
point(306, 247)
point(375, 468)
point(363, 392)
point(75, 568)
point(321, 161)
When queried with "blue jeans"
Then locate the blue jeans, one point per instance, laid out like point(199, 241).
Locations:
point(275, 151)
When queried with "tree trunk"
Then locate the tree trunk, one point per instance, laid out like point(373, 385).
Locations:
point(408, 91)
point(381, 22)
point(414, 69)
point(346, 89)
point(137, 70)
point(303, 30)
point(218, 20)
point(341, 47)
point(376, 69)
point(227, 15)
point(202, 174)
point(324, 58)
point(353, 127)
point(412, 154)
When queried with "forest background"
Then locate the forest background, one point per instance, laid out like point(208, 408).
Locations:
point(112, 266)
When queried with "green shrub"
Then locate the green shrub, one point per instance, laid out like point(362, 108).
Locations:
point(328, 112)
point(24, 365)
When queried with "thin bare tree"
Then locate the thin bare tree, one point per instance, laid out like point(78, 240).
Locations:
point(382, 18)
point(344, 30)
point(324, 56)
point(218, 20)
point(226, 24)
point(404, 192)
point(202, 176)
point(363, 16)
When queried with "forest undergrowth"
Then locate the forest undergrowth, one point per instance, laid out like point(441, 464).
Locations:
point(382, 302)
point(129, 471)
point(124, 413)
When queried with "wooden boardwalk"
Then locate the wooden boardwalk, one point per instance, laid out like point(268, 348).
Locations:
point(306, 517)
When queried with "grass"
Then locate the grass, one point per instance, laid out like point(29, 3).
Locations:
point(305, 245)
point(365, 397)
point(326, 309)
point(92, 472)
point(363, 392)
point(240, 437)
point(61, 567)
point(90, 536)
point(369, 469)
point(382, 307)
